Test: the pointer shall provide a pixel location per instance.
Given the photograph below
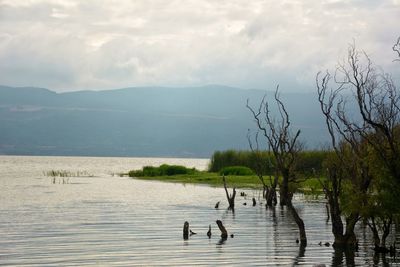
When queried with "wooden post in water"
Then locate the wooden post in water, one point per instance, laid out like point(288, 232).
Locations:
point(224, 233)
point(231, 198)
point(186, 231)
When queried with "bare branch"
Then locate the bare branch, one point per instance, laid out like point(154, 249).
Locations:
point(396, 49)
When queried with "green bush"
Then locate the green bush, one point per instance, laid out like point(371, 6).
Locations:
point(174, 170)
point(163, 170)
point(236, 170)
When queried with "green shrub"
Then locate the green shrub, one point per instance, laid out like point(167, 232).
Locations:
point(236, 170)
point(151, 171)
point(174, 170)
point(135, 173)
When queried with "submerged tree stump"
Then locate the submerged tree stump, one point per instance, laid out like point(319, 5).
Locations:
point(186, 231)
point(209, 231)
point(231, 198)
point(224, 233)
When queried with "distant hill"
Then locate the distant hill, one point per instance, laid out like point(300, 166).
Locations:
point(143, 121)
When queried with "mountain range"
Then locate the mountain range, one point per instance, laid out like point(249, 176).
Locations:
point(142, 121)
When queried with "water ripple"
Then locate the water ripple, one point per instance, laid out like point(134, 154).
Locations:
point(110, 221)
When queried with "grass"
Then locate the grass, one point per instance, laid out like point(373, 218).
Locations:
point(208, 178)
point(309, 186)
point(62, 176)
point(64, 173)
point(236, 170)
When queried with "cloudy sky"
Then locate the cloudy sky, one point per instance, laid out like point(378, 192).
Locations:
point(68, 45)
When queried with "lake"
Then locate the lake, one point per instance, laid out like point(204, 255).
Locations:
point(103, 219)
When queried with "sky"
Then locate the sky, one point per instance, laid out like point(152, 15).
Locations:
point(69, 45)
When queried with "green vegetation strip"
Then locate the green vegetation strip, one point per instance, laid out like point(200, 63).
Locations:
point(208, 178)
point(310, 185)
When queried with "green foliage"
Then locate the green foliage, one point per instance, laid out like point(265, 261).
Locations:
point(311, 160)
point(163, 170)
point(236, 170)
point(222, 159)
point(263, 161)
point(208, 178)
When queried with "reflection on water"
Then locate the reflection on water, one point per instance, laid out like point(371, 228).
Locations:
point(117, 221)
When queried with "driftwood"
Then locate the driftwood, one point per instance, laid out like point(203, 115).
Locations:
point(186, 231)
point(231, 198)
point(224, 233)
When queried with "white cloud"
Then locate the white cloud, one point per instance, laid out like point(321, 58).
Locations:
point(70, 45)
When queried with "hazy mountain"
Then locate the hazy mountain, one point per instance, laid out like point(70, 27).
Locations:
point(151, 121)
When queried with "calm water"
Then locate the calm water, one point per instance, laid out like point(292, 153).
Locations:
point(107, 220)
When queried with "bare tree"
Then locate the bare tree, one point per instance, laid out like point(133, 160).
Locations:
point(285, 148)
point(375, 126)
point(347, 165)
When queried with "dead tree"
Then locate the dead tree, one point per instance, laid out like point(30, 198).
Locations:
point(348, 163)
point(377, 101)
point(284, 145)
point(230, 198)
point(285, 148)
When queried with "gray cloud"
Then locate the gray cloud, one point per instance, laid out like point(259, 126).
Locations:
point(71, 45)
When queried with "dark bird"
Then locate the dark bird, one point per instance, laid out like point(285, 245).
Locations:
point(209, 231)
point(217, 205)
point(297, 240)
point(192, 233)
point(327, 244)
point(232, 235)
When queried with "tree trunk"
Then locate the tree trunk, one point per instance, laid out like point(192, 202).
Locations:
point(348, 238)
point(224, 233)
point(284, 189)
point(231, 198)
point(375, 233)
point(387, 225)
point(186, 231)
point(271, 197)
point(299, 222)
point(380, 243)
point(328, 217)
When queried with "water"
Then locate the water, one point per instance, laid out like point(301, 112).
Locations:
point(106, 220)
